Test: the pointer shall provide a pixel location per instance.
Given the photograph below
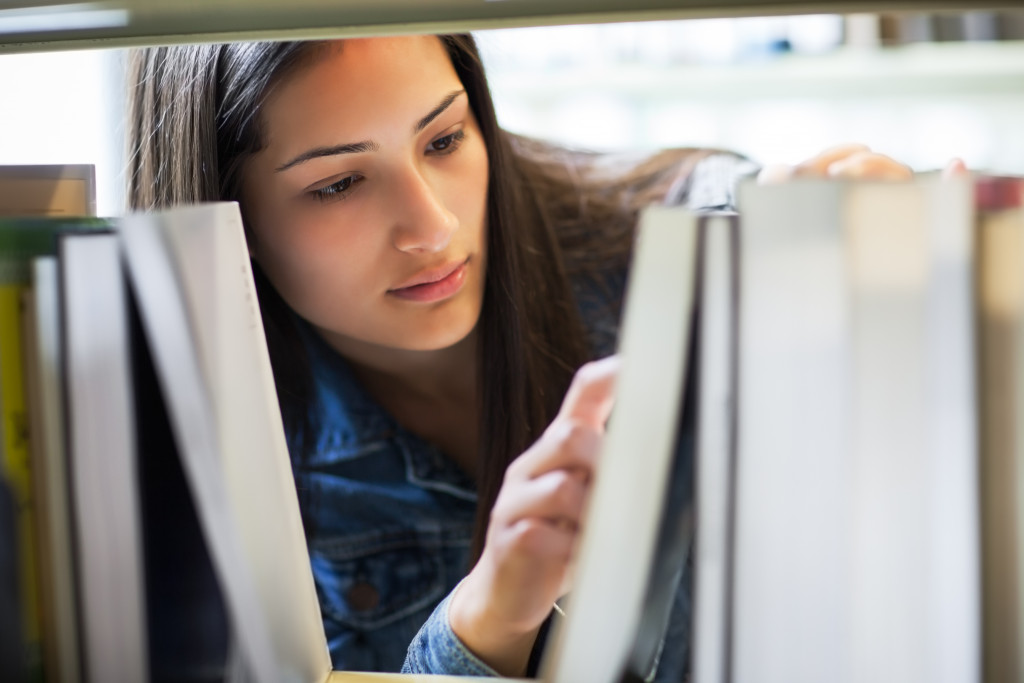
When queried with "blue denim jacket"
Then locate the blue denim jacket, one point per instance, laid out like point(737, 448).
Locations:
point(392, 519)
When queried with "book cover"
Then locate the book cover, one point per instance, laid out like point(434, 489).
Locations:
point(189, 270)
point(604, 611)
point(60, 190)
point(102, 455)
point(999, 203)
point(717, 376)
point(856, 533)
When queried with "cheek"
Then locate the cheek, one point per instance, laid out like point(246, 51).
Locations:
point(316, 266)
point(469, 194)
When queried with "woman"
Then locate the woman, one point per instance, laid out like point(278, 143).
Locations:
point(430, 287)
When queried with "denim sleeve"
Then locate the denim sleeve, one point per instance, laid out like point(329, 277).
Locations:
point(437, 650)
point(711, 185)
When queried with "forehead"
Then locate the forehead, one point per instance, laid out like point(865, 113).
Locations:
point(357, 78)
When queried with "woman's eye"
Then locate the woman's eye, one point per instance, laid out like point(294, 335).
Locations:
point(446, 144)
point(336, 190)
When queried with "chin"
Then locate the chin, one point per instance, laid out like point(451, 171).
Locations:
point(443, 337)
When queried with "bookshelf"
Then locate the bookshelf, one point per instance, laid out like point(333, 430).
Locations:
point(35, 25)
point(40, 28)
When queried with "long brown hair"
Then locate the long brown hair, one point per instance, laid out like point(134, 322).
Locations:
point(552, 215)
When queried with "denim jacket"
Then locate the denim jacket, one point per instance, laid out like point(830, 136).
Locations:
point(392, 516)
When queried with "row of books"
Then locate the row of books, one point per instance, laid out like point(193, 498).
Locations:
point(154, 531)
point(845, 356)
point(925, 27)
point(25, 191)
point(859, 457)
point(848, 359)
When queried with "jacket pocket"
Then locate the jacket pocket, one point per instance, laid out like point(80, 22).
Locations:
point(377, 579)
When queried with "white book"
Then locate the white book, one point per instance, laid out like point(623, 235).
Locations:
point(101, 442)
point(915, 540)
point(255, 557)
point(791, 560)
point(624, 515)
point(715, 451)
point(856, 542)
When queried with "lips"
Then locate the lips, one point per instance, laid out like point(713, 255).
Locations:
point(433, 285)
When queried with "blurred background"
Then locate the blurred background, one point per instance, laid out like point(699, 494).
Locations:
point(920, 87)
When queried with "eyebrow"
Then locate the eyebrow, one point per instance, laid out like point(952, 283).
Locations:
point(439, 109)
point(367, 145)
point(316, 153)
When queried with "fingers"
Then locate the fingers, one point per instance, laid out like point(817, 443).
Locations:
point(868, 166)
point(567, 444)
point(573, 437)
point(846, 162)
point(775, 173)
point(535, 523)
point(590, 396)
point(954, 169)
point(819, 164)
point(549, 482)
point(556, 497)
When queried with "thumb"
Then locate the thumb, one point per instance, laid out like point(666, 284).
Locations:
point(591, 394)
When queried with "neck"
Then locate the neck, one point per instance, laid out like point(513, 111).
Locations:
point(430, 393)
point(444, 375)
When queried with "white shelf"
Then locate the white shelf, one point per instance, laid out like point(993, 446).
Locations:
point(34, 25)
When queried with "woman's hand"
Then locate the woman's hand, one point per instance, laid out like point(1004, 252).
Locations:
point(849, 162)
point(500, 606)
point(844, 161)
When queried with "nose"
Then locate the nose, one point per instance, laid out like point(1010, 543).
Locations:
point(423, 223)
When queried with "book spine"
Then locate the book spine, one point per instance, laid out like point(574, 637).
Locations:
point(16, 464)
point(16, 467)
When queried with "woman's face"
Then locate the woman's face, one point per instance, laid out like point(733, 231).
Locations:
point(366, 206)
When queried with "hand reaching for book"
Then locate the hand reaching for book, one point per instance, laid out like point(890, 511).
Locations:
point(848, 162)
point(525, 566)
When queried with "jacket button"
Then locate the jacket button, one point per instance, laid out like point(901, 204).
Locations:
point(362, 596)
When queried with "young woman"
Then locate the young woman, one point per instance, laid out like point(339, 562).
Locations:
point(433, 289)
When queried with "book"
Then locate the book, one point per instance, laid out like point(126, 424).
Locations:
point(48, 190)
point(190, 271)
point(642, 471)
point(1000, 316)
point(102, 457)
point(714, 488)
point(30, 191)
point(856, 545)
